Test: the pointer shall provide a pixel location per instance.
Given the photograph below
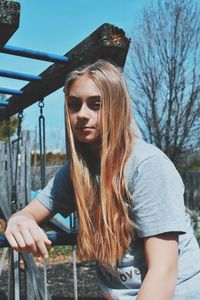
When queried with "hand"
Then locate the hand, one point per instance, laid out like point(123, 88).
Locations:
point(25, 235)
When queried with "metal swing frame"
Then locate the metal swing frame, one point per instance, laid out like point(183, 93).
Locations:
point(106, 42)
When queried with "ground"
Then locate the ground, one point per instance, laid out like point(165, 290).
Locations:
point(60, 275)
point(61, 283)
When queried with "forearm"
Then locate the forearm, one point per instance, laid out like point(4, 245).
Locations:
point(34, 211)
point(21, 213)
point(158, 285)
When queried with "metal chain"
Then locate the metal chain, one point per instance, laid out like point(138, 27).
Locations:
point(14, 207)
point(16, 258)
point(42, 142)
point(10, 275)
point(42, 145)
point(75, 273)
point(10, 153)
point(45, 279)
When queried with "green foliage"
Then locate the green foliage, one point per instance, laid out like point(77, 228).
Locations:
point(56, 251)
point(8, 130)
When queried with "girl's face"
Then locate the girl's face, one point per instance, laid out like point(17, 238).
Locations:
point(84, 106)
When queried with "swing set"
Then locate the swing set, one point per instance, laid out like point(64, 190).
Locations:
point(106, 42)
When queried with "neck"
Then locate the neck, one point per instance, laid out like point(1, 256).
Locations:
point(92, 153)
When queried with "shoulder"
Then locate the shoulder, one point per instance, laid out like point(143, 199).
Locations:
point(63, 174)
point(148, 161)
point(142, 151)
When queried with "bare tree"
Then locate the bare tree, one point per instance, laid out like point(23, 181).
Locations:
point(164, 75)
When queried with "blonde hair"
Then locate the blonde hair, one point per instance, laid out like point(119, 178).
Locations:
point(105, 228)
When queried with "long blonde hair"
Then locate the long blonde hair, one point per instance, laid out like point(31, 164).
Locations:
point(105, 228)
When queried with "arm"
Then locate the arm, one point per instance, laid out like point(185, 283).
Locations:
point(161, 254)
point(23, 232)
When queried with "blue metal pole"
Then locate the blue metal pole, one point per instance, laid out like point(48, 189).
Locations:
point(21, 76)
point(34, 54)
point(10, 91)
point(57, 238)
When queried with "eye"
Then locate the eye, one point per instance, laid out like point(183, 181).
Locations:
point(74, 105)
point(95, 104)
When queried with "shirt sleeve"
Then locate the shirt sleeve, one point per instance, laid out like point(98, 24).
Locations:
point(158, 203)
point(58, 195)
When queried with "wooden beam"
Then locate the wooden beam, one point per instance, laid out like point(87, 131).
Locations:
point(9, 20)
point(107, 42)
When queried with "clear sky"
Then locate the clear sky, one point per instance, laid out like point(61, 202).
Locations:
point(56, 26)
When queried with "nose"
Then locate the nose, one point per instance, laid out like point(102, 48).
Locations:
point(83, 113)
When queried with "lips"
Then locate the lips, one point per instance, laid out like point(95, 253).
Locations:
point(84, 127)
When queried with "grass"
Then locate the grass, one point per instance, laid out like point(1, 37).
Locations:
point(61, 252)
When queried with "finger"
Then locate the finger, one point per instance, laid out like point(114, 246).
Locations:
point(45, 238)
point(39, 241)
point(29, 241)
point(11, 240)
point(19, 239)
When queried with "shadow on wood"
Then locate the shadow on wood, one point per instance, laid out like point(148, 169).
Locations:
point(9, 20)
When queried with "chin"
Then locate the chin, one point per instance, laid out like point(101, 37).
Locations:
point(87, 139)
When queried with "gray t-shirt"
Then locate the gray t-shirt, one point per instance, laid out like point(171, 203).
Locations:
point(157, 207)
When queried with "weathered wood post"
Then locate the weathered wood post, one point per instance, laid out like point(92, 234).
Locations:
point(9, 20)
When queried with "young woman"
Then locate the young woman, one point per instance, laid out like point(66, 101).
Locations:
point(127, 193)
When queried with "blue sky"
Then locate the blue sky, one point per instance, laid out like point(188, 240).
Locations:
point(56, 26)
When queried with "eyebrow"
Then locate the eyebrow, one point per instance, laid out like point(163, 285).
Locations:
point(95, 97)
